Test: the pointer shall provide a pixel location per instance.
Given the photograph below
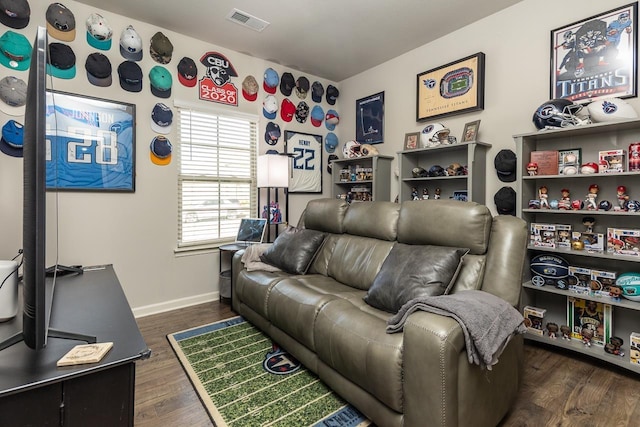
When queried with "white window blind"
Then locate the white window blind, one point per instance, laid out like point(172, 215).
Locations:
point(217, 175)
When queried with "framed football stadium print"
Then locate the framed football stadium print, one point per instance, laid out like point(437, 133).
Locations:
point(370, 119)
point(596, 57)
point(305, 152)
point(92, 143)
point(454, 88)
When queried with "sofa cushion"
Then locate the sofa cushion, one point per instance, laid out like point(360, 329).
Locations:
point(412, 271)
point(324, 215)
point(378, 220)
point(294, 249)
point(356, 260)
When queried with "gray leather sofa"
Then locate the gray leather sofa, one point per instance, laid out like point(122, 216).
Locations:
point(420, 377)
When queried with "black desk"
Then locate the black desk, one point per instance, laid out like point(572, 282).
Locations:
point(33, 391)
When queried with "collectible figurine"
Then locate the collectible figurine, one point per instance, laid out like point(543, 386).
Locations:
point(588, 222)
point(544, 197)
point(414, 194)
point(553, 204)
point(614, 346)
point(576, 205)
point(590, 201)
point(587, 336)
point(623, 198)
point(425, 194)
point(566, 332)
point(532, 168)
point(615, 292)
point(437, 195)
point(552, 330)
point(565, 200)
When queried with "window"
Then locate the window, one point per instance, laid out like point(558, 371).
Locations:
point(216, 179)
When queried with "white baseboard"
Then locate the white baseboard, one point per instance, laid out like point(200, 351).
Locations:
point(148, 310)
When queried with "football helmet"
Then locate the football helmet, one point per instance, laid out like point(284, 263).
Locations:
point(435, 134)
point(437, 170)
point(351, 150)
point(559, 113)
point(368, 150)
point(611, 110)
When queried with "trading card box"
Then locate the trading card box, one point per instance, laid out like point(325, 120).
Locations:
point(592, 315)
point(533, 319)
point(623, 241)
point(579, 278)
point(611, 161)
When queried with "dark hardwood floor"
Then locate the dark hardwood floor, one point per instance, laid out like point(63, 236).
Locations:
point(560, 388)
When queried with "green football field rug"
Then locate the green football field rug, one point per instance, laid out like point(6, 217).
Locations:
point(245, 379)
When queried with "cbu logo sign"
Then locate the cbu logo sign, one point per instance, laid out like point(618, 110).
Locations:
point(279, 362)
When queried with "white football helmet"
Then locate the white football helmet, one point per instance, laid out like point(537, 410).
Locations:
point(351, 149)
point(611, 110)
point(435, 134)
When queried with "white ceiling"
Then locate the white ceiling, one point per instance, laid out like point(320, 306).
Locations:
point(333, 39)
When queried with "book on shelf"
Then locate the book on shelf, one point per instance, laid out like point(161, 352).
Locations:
point(85, 353)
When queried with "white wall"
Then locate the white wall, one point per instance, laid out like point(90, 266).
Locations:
point(137, 232)
point(516, 43)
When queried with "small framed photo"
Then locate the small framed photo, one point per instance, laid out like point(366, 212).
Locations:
point(411, 140)
point(470, 132)
point(460, 195)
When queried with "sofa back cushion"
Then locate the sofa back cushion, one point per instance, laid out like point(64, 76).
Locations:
point(445, 223)
point(356, 260)
point(378, 220)
point(325, 215)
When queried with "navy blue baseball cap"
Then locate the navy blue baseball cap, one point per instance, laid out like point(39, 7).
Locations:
point(160, 150)
point(317, 91)
point(11, 142)
point(161, 118)
point(272, 134)
point(130, 75)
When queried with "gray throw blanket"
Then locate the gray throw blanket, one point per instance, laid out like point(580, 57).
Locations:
point(487, 321)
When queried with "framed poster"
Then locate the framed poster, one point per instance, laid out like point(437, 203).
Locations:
point(305, 151)
point(454, 88)
point(370, 119)
point(596, 57)
point(91, 143)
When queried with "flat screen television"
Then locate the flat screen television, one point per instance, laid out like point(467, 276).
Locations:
point(37, 292)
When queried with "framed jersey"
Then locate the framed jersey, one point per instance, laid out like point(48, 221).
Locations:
point(91, 143)
point(305, 152)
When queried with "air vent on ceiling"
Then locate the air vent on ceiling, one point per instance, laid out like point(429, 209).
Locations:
point(247, 20)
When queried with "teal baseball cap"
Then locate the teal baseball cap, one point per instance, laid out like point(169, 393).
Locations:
point(61, 61)
point(160, 79)
point(15, 51)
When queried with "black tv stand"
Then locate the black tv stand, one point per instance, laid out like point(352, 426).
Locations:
point(63, 270)
point(51, 333)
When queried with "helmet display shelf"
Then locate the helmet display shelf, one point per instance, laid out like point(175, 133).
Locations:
point(445, 169)
point(592, 254)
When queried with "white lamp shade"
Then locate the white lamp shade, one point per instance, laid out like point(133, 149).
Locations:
point(273, 171)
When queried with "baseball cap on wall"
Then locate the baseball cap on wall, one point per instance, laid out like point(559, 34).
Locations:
point(15, 13)
point(130, 44)
point(130, 75)
point(270, 80)
point(505, 200)
point(287, 83)
point(302, 112)
point(317, 115)
point(187, 72)
point(317, 90)
point(160, 150)
point(161, 81)
point(61, 61)
point(331, 119)
point(61, 24)
point(13, 94)
point(15, 51)
point(505, 163)
point(332, 94)
point(330, 142)
point(250, 88)
point(99, 32)
point(98, 69)
point(302, 87)
point(161, 119)
point(12, 139)
point(330, 159)
point(161, 48)
point(270, 107)
point(287, 110)
point(272, 134)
